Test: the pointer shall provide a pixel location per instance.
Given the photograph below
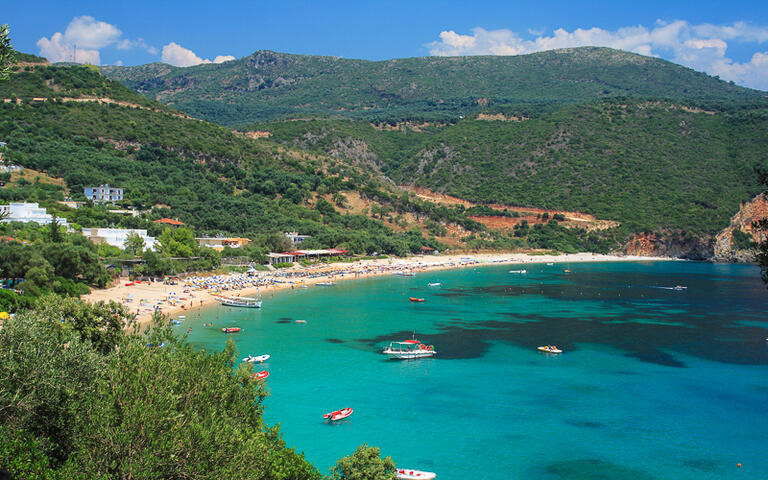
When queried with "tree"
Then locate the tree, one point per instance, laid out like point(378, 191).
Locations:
point(134, 244)
point(365, 464)
point(39, 275)
point(6, 52)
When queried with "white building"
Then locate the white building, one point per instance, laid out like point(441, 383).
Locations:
point(103, 193)
point(117, 236)
point(295, 238)
point(26, 213)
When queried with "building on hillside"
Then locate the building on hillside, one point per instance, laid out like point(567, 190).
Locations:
point(27, 213)
point(71, 204)
point(217, 243)
point(295, 238)
point(169, 221)
point(103, 194)
point(117, 236)
point(292, 257)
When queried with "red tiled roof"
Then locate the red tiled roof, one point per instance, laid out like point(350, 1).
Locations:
point(427, 249)
point(169, 221)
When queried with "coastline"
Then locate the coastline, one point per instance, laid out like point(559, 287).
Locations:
point(171, 300)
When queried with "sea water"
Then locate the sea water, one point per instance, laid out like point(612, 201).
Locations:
point(653, 383)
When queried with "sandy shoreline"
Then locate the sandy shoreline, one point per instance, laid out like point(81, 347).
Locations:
point(189, 295)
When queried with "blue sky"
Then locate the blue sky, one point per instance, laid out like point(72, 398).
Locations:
point(729, 39)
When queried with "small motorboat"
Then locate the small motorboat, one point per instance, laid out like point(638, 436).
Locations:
point(549, 264)
point(434, 284)
point(325, 284)
point(679, 288)
point(550, 349)
point(230, 329)
point(260, 358)
point(338, 414)
point(408, 474)
point(301, 321)
point(182, 317)
point(409, 349)
point(175, 322)
point(518, 271)
point(414, 299)
point(566, 271)
point(260, 375)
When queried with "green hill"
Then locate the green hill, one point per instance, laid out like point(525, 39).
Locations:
point(268, 85)
point(648, 164)
point(73, 123)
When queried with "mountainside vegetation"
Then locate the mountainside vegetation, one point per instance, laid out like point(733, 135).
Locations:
point(267, 85)
point(651, 165)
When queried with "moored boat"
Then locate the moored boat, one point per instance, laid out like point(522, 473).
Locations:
point(259, 358)
point(245, 302)
point(409, 349)
point(260, 375)
point(550, 349)
point(230, 329)
point(409, 474)
point(518, 271)
point(338, 414)
point(417, 300)
point(434, 284)
point(325, 284)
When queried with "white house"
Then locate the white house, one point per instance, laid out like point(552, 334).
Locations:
point(28, 212)
point(295, 238)
point(103, 193)
point(117, 236)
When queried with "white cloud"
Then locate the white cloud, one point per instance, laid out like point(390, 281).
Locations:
point(127, 44)
point(58, 49)
point(80, 42)
point(175, 54)
point(86, 32)
point(702, 47)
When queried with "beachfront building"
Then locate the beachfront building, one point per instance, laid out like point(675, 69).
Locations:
point(292, 257)
point(217, 243)
point(27, 213)
point(295, 238)
point(117, 236)
point(103, 193)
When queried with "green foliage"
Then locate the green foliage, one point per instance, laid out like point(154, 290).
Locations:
point(268, 85)
point(7, 53)
point(283, 265)
point(365, 464)
point(742, 241)
point(69, 410)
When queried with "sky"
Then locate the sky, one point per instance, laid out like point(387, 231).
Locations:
point(724, 38)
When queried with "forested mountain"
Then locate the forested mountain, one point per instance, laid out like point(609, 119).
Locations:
point(268, 85)
point(73, 123)
point(651, 165)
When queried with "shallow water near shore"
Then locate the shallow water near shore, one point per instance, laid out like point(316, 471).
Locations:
point(653, 383)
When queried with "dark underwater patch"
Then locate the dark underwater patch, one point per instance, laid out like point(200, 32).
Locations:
point(585, 423)
point(283, 321)
point(334, 340)
point(590, 469)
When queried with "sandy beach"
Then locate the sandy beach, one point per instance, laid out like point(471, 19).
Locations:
point(193, 292)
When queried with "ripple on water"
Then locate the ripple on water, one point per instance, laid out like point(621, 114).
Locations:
point(590, 469)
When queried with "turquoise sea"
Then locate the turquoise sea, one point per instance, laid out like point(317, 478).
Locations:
point(653, 383)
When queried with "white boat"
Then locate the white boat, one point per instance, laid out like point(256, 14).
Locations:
point(409, 349)
point(325, 284)
point(246, 302)
point(404, 274)
point(518, 271)
point(550, 349)
point(409, 474)
point(259, 358)
point(434, 284)
point(679, 288)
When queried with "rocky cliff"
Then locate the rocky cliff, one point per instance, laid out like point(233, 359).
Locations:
point(728, 246)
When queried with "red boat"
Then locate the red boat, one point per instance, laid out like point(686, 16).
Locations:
point(414, 299)
point(338, 414)
point(129, 284)
point(260, 375)
point(230, 329)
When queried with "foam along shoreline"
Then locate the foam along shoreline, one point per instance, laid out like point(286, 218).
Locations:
point(193, 292)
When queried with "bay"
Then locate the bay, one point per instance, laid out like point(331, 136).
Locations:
point(653, 383)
